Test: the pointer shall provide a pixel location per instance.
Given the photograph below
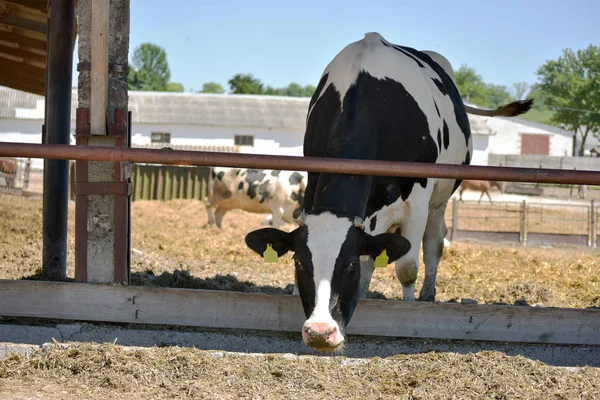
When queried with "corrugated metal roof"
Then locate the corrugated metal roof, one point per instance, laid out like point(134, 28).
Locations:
point(225, 110)
point(270, 112)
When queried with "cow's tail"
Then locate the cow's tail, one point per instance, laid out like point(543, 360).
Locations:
point(508, 110)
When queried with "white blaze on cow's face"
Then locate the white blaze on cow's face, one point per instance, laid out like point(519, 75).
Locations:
point(327, 234)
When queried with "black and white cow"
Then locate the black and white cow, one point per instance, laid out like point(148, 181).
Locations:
point(273, 192)
point(375, 101)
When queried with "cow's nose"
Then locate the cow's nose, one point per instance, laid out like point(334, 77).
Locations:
point(322, 336)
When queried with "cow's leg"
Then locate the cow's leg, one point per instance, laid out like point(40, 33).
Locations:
point(460, 192)
point(489, 197)
point(367, 267)
point(277, 220)
point(295, 292)
point(433, 247)
point(219, 214)
point(412, 228)
point(211, 215)
point(481, 197)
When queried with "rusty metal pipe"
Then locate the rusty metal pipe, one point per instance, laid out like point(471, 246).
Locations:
point(310, 164)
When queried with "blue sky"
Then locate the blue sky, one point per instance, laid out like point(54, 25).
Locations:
point(287, 41)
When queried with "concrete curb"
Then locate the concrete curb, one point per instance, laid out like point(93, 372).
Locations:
point(24, 339)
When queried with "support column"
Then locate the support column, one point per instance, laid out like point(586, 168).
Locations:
point(103, 189)
point(59, 73)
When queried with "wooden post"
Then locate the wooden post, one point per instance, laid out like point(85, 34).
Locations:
point(103, 189)
point(523, 230)
point(454, 218)
point(99, 66)
point(592, 238)
point(27, 174)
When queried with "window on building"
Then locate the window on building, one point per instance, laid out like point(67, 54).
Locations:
point(160, 137)
point(243, 140)
point(535, 144)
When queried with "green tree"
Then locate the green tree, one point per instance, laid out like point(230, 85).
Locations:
point(271, 91)
point(309, 90)
point(471, 86)
point(245, 84)
point(175, 87)
point(149, 69)
point(497, 95)
point(571, 88)
point(212, 87)
point(520, 89)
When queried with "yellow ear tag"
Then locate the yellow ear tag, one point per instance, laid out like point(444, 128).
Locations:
point(270, 255)
point(382, 259)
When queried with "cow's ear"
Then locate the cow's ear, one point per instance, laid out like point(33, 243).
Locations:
point(281, 241)
point(395, 245)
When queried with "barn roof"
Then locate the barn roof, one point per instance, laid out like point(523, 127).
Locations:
point(23, 25)
point(224, 110)
point(263, 112)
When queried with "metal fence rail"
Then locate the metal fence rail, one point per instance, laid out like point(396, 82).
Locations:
point(309, 164)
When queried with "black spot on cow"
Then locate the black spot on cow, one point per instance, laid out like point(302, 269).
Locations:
point(220, 175)
point(459, 181)
point(254, 177)
point(238, 172)
point(295, 179)
point(373, 223)
point(446, 135)
point(318, 90)
point(275, 173)
point(439, 85)
point(401, 49)
point(366, 127)
point(263, 191)
point(437, 109)
point(240, 185)
point(439, 139)
point(452, 91)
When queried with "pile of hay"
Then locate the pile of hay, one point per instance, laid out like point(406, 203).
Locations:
point(89, 371)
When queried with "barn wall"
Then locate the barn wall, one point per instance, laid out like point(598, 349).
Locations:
point(507, 139)
point(275, 141)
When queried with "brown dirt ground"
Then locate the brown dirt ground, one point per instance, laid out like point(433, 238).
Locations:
point(90, 371)
point(173, 248)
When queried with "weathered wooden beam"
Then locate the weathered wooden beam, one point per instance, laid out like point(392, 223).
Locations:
point(22, 69)
point(25, 86)
point(23, 41)
point(23, 32)
point(39, 5)
point(99, 66)
point(23, 23)
point(224, 309)
point(23, 11)
point(28, 57)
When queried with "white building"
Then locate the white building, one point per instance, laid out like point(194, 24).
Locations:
point(254, 124)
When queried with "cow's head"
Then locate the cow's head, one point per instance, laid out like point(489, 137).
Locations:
point(326, 250)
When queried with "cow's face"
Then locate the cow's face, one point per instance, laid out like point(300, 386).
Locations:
point(326, 255)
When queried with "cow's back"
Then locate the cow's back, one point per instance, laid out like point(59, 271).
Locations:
point(377, 100)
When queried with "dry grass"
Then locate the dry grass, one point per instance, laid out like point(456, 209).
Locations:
point(87, 371)
point(172, 248)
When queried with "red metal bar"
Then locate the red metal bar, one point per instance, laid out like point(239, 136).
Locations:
point(310, 164)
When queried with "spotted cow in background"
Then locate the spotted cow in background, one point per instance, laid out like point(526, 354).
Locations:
point(375, 101)
point(273, 192)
